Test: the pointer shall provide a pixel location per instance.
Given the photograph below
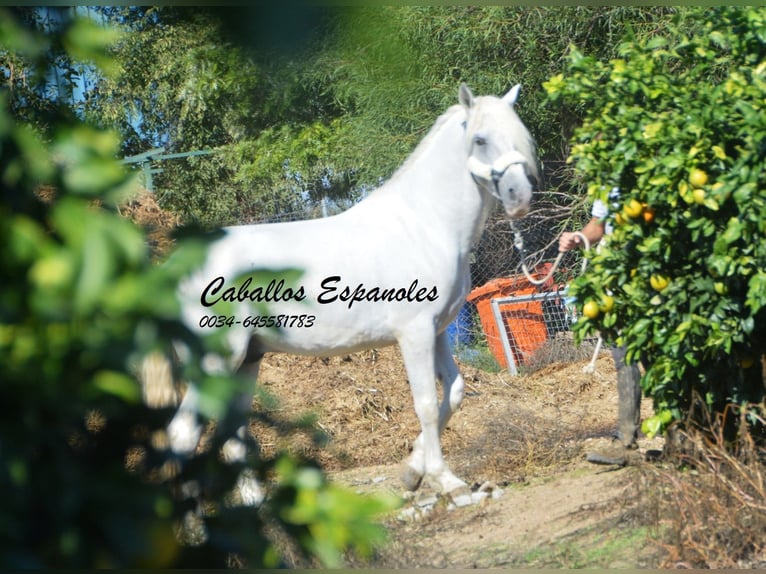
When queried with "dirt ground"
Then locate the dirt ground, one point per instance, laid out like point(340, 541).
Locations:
point(527, 435)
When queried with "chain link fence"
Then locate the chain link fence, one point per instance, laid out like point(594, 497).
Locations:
point(536, 320)
point(508, 322)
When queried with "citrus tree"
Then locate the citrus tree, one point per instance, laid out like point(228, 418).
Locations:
point(674, 141)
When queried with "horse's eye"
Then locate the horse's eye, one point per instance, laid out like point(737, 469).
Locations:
point(479, 140)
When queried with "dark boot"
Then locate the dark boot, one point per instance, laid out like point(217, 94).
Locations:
point(622, 450)
point(629, 400)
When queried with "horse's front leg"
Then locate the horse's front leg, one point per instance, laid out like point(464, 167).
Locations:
point(452, 385)
point(426, 460)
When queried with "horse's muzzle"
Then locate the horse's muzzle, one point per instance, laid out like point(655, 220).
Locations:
point(517, 212)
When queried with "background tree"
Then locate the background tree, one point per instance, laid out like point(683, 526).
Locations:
point(393, 69)
point(188, 84)
point(332, 105)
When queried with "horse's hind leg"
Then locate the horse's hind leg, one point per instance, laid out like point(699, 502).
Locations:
point(452, 381)
point(235, 449)
point(184, 431)
point(419, 353)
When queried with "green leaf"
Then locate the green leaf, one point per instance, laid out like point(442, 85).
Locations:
point(656, 42)
point(756, 292)
point(97, 265)
point(128, 239)
point(95, 176)
point(118, 384)
point(34, 161)
point(54, 271)
point(27, 239)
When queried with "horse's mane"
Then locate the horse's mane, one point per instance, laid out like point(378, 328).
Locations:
point(527, 145)
point(425, 143)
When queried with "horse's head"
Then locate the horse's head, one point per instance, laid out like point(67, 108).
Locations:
point(501, 152)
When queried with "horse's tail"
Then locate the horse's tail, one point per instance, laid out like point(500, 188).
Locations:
point(159, 389)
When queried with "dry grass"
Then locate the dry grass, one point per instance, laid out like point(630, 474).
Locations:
point(144, 210)
point(507, 429)
point(709, 501)
point(706, 507)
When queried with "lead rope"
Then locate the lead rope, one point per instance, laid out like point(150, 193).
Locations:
point(518, 243)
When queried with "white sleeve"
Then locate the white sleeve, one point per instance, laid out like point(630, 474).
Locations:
point(599, 209)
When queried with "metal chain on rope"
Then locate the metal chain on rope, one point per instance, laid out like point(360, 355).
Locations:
point(518, 243)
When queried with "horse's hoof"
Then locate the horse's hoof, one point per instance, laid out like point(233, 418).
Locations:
point(411, 478)
point(461, 496)
point(250, 490)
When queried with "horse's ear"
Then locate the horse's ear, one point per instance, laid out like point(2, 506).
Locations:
point(512, 95)
point(465, 96)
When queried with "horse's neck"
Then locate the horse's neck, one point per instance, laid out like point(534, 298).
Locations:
point(437, 187)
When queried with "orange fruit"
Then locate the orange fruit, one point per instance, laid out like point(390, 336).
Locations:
point(607, 303)
point(633, 208)
point(590, 309)
point(746, 362)
point(698, 177)
point(659, 282)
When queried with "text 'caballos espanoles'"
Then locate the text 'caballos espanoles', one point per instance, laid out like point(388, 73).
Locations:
point(331, 290)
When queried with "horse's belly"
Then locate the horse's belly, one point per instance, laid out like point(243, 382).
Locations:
point(324, 342)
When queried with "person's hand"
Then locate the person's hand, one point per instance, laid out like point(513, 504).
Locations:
point(569, 240)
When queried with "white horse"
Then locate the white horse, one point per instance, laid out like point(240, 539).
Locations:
point(392, 269)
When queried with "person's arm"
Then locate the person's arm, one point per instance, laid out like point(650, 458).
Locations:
point(593, 230)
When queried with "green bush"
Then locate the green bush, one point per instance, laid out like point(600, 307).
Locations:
point(81, 303)
point(678, 124)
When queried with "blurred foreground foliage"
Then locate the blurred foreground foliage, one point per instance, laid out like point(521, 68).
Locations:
point(81, 304)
